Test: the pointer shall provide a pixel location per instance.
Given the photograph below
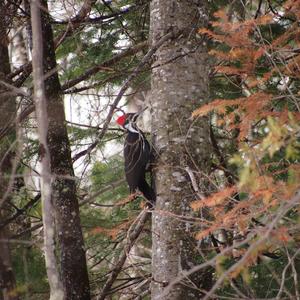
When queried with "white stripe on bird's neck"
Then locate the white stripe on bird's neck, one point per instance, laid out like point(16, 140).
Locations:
point(130, 128)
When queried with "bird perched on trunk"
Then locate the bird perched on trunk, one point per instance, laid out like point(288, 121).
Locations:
point(137, 156)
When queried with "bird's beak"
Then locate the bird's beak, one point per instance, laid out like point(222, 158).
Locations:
point(143, 110)
point(136, 115)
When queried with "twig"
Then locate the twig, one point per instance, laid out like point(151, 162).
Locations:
point(290, 262)
point(194, 183)
point(132, 236)
point(21, 210)
point(229, 176)
point(258, 9)
point(108, 63)
point(15, 91)
point(111, 185)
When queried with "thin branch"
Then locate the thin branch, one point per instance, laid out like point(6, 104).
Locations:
point(27, 230)
point(23, 115)
point(20, 211)
point(94, 20)
point(110, 186)
point(133, 234)
point(75, 22)
point(229, 176)
point(16, 91)
point(106, 64)
point(258, 9)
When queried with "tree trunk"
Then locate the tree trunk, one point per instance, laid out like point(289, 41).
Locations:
point(56, 288)
point(7, 115)
point(72, 255)
point(179, 85)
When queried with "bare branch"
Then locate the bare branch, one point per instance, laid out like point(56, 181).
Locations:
point(133, 234)
point(107, 63)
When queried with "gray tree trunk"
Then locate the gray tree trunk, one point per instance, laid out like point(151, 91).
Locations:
point(179, 85)
point(73, 266)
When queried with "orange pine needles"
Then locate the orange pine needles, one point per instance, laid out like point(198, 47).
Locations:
point(214, 199)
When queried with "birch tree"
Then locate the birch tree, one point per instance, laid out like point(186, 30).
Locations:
point(63, 185)
point(56, 288)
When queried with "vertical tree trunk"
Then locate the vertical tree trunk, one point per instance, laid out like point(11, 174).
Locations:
point(179, 84)
point(7, 115)
point(72, 255)
point(47, 177)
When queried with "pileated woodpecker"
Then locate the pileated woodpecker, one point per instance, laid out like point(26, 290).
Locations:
point(136, 155)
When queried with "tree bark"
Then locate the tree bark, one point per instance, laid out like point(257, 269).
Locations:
point(74, 274)
point(179, 85)
point(7, 116)
point(56, 288)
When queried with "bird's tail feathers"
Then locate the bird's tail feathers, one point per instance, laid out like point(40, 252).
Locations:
point(147, 191)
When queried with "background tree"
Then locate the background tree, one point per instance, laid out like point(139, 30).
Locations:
point(8, 149)
point(62, 182)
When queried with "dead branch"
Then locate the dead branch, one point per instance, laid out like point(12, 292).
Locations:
point(133, 234)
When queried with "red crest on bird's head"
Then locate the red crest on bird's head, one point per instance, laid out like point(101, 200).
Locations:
point(121, 120)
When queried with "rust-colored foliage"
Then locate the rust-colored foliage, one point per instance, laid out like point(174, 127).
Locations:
point(112, 232)
point(215, 199)
point(265, 120)
point(250, 109)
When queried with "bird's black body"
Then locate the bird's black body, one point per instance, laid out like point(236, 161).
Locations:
point(137, 158)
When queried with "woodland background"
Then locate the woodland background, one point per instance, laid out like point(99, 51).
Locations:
point(221, 83)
